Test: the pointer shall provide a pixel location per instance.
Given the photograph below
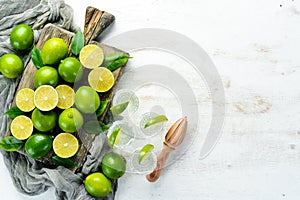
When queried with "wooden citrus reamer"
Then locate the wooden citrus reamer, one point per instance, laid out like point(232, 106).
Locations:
point(173, 139)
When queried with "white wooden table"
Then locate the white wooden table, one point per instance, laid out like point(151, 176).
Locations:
point(255, 46)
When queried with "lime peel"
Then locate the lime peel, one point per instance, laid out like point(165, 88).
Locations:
point(119, 108)
point(114, 137)
point(156, 120)
point(144, 152)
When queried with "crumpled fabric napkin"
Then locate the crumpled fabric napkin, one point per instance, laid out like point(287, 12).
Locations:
point(31, 177)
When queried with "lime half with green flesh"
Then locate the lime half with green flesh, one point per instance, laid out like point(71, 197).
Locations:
point(119, 108)
point(156, 120)
point(145, 151)
point(114, 137)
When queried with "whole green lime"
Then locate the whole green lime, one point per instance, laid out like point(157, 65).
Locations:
point(70, 120)
point(38, 145)
point(53, 51)
point(46, 76)
point(87, 99)
point(113, 165)
point(97, 185)
point(70, 70)
point(44, 121)
point(11, 65)
point(21, 37)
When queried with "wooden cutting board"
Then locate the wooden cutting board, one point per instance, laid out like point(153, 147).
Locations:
point(96, 22)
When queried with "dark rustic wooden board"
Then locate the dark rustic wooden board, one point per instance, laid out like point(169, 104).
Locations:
point(95, 23)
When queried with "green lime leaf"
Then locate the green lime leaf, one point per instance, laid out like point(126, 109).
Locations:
point(95, 127)
point(66, 162)
point(114, 137)
point(156, 120)
point(119, 108)
point(145, 151)
point(77, 42)
point(36, 57)
point(14, 112)
point(103, 126)
point(115, 61)
point(102, 107)
point(109, 59)
point(11, 143)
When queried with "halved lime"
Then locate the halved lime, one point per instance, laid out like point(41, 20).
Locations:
point(66, 96)
point(24, 99)
point(114, 137)
point(65, 145)
point(119, 108)
point(156, 120)
point(145, 151)
point(101, 79)
point(45, 98)
point(91, 56)
point(21, 127)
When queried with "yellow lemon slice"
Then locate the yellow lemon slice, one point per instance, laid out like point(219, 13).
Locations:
point(21, 127)
point(66, 96)
point(65, 145)
point(24, 99)
point(91, 56)
point(45, 98)
point(101, 79)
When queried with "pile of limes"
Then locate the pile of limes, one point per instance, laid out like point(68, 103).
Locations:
point(48, 108)
point(53, 111)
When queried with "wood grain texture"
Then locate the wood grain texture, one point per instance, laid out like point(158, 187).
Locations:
point(96, 21)
point(91, 31)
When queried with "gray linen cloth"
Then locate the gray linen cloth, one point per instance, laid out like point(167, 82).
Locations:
point(29, 176)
